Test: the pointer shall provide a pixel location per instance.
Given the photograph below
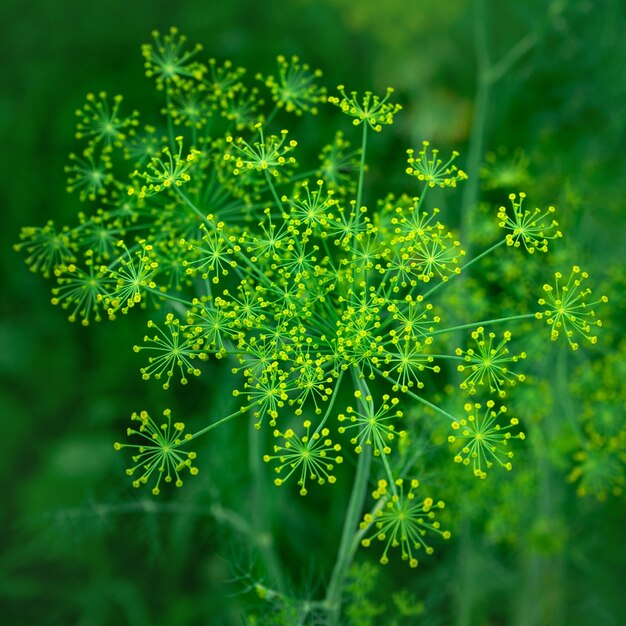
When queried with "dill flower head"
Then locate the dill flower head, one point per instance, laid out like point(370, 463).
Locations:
point(241, 107)
point(159, 454)
point(167, 59)
point(567, 310)
point(80, 290)
point(132, 275)
point(223, 80)
point(428, 167)
point(100, 121)
point(212, 256)
point(599, 469)
point(295, 88)
point(46, 247)
point(532, 229)
point(90, 173)
point(487, 364)
point(405, 361)
point(370, 109)
point(503, 170)
point(483, 438)
point(311, 208)
point(170, 349)
point(189, 104)
point(310, 456)
point(338, 164)
point(264, 155)
point(165, 170)
point(373, 427)
point(402, 521)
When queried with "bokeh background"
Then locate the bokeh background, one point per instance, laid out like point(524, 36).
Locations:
point(534, 90)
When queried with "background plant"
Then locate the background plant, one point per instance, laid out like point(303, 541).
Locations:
point(549, 557)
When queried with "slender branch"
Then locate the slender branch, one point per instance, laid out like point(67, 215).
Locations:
point(452, 357)
point(104, 509)
point(498, 320)
point(464, 267)
point(475, 153)
point(260, 275)
point(348, 543)
point(271, 116)
point(483, 254)
point(206, 429)
point(487, 74)
point(359, 196)
point(330, 404)
point(524, 45)
point(168, 106)
point(359, 193)
point(392, 482)
point(265, 540)
point(349, 534)
point(270, 184)
point(168, 296)
point(413, 395)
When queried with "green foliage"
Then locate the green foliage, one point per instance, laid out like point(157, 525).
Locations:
point(294, 293)
point(356, 326)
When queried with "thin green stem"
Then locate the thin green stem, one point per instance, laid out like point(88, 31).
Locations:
point(170, 126)
point(271, 116)
point(413, 395)
point(487, 75)
point(392, 482)
point(479, 120)
point(270, 184)
point(365, 390)
point(261, 507)
point(210, 427)
point(452, 357)
point(483, 254)
point(434, 407)
point(475, 154)
point(348, 545)
point(421, 199)
point(330, 404)
point(302, 175)
point(499, 320)
point(566, 402)
point(464, 267)
point(359, 198)
point(260, 275)
point(499, 69)
point(359, 193)
point(168, 296)
point(349, 541)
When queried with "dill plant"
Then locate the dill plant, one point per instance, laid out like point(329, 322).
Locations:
point(325, 304)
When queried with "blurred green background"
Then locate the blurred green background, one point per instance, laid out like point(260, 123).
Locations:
point(487, 78)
